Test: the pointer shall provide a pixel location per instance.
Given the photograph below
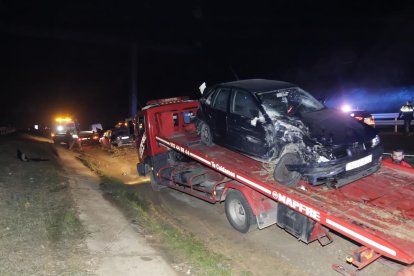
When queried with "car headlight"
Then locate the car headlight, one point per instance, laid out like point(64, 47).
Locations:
point(375, 141)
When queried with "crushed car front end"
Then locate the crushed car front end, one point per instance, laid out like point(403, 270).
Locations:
point(334, 149)
point(350, 163)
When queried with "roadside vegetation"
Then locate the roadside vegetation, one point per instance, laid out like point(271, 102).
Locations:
point(190, 255)
point(40, 233)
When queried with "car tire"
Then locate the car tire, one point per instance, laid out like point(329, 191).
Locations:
point(282, 175)
point(119, 142)
point(238, 211)
point(205, 133)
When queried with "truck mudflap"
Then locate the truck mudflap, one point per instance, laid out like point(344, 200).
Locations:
point(302, 227)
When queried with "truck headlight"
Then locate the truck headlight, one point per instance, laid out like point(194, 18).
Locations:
point(375, 141)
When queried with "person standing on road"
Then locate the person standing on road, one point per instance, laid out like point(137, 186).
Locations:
point(397, 157)
point(75, 139)
point(406, 112)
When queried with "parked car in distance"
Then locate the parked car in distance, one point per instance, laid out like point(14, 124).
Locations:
point(88, 137)
point(281, 124)
point(363, 116)
point(117, 137)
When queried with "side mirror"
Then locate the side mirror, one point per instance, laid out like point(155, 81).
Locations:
point(202, 87)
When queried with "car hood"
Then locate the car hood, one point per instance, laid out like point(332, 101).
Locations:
point(333, 127)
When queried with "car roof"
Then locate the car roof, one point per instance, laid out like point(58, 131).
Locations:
point(258, 85)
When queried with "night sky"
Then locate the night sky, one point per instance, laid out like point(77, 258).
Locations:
point(76, 57)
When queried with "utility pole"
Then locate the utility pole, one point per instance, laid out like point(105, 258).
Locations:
point(134, 83)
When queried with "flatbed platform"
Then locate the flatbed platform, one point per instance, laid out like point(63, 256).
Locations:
point(376, 211)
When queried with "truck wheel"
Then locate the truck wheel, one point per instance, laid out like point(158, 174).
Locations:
point(238, 211)
point(282, 175)
point(205, 133)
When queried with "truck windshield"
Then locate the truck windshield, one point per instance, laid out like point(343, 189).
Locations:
point(288, 102)
point(65, 127)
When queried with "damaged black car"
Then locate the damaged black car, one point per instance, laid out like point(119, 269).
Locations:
point(281, 124)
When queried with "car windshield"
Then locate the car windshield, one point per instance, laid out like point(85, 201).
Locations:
point(288, 102)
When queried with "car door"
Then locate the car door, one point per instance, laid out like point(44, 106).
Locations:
point(218, 115)
point(246, 132)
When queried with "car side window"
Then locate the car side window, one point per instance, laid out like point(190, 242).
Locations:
point(243, 104)
point(221, 99)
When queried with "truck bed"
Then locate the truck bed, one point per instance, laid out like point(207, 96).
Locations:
point(376, 211)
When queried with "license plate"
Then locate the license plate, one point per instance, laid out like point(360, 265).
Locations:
point(358, 163)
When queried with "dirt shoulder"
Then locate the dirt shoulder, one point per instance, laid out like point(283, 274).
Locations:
point(113, 241)
point(54, 219)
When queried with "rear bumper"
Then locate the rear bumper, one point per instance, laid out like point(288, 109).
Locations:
point(61, 138)
point(88, 141)
point(334, 173)
point(123, 142)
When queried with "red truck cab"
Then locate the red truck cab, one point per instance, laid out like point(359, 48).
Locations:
point(155, 119)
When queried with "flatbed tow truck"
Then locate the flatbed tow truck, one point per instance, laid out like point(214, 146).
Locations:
point(376, 212)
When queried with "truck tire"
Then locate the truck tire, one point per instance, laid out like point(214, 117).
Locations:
point(205, 133)
point(282, 175)
point(238, 211)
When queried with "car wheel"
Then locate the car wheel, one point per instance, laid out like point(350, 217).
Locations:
point(119, 142)
point(205, 133)
point(282, 175)
point(238, 211)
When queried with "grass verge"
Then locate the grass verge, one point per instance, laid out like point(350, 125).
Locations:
point(180, 246)
point(40, 233)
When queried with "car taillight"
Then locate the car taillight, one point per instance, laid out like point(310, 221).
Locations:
point(359, 118)
point(95, 137)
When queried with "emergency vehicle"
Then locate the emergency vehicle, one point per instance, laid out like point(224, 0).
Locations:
point(63, 129)
point(377, 211)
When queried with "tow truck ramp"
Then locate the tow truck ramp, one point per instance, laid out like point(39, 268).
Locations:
point(376, 211)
